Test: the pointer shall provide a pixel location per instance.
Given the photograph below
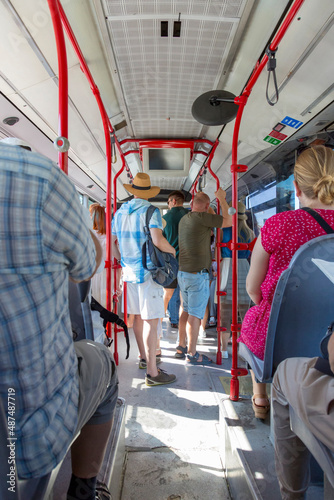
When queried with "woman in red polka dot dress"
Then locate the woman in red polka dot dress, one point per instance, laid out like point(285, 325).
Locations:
point(280, 238)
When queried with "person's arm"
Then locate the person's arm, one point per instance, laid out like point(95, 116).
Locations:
point(257, 271)
point(227, 218)
point(98, 257)
point(99, 251)
point(160, 241)
point(114, 247)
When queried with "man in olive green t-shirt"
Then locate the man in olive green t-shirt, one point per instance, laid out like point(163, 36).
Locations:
point(194, 264)
point(171, 233)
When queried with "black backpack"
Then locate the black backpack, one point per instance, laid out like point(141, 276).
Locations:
point(164, 265)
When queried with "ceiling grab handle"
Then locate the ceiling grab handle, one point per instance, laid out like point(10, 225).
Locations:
point(63, 86)
point(235, 169)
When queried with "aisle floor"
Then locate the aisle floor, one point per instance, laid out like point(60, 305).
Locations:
point(171, 431)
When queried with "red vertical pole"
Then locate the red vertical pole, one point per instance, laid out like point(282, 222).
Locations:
point(235, 168)
point(234, 385)
point(107, 131)
point(62, 83)
point(219, 293)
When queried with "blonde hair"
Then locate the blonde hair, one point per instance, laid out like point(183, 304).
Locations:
point(245, 234)
point(314, 174)
point(98, 216)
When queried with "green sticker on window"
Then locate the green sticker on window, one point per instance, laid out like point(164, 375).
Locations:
point(272, 140)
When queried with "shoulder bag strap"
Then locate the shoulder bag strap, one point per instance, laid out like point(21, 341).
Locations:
point(325, 226)
point(149, 213)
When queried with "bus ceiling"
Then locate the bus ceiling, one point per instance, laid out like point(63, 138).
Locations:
point(149, 82)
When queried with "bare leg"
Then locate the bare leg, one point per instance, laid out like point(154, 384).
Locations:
point(205, 319)
point(168, 293)
point(150, 342)
point(131, 318)
point(88, 450)
point(138, 331)
point(259, 388)
point(225, 337)
point(158, 350)
point(182, 328)
point(193, 325)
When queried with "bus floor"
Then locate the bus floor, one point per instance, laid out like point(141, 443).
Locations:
point(188, 440)
point(178, 437)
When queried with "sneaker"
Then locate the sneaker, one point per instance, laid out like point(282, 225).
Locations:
point(161, 379)
point(225, 354)
point(143, 364)
point(174, 325)
point(202, 333)
point(212, 321)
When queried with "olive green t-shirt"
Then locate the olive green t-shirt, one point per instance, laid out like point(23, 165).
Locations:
point(194, 240)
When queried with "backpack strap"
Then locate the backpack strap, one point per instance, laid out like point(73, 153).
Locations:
point(110, 317)
point(320, 220)
point(149, 212)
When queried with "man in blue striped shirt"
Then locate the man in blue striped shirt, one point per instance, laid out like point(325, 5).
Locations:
point(144, 296)
point(44, 240)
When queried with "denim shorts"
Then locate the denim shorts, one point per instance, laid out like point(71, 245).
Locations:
point(195, 290)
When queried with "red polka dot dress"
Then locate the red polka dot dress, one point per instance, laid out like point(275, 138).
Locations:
point(281, 236)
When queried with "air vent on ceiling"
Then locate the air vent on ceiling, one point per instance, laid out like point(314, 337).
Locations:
point(120, 125)
point(164, 28)
point(322, 123)
point(177, 29)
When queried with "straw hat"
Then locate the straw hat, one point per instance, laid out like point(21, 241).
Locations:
point(141, 187)
point(241, 210)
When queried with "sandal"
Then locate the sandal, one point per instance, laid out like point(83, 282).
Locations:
point(193, 360)
point(260, 411)
point(182, 354)
point(102, 492)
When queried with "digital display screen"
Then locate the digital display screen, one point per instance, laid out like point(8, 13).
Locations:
point(166, 159)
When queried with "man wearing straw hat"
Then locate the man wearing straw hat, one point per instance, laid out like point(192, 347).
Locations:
point(145, 297)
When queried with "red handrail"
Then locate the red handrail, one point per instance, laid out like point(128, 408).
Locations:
point(108, 129)
point(63, 81)
point(235, 168)
point(219, 294)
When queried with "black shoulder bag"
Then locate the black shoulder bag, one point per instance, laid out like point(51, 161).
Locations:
point(164, 266)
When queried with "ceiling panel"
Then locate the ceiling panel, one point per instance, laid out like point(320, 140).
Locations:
point(162, 76)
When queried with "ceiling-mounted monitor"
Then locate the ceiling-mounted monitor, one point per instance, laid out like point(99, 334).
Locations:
point(164, 162)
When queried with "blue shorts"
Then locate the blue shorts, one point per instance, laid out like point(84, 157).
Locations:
point(195, 291)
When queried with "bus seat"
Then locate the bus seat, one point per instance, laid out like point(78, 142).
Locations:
point(323, 455)
point(80, 313)
point(302, 308)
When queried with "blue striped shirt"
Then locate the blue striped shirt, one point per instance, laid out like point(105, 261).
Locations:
point(128, 226)
point(43, 240)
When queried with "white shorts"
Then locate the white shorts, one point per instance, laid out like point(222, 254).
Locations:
point(146, 299)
